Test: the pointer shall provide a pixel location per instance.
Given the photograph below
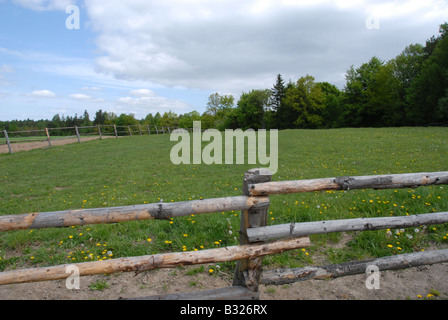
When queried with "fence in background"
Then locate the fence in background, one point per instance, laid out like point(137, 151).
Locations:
point(52, 136)
point(256, 238)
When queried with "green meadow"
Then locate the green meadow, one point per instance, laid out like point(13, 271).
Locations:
point(137, 170)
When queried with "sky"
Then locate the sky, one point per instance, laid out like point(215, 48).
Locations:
point(147, 56)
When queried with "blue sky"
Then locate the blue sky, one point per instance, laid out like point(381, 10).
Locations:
point(141, 57)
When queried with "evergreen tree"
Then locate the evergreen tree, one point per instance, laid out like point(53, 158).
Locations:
point(276, 101)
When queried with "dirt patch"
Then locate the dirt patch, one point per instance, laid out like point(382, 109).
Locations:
point(394, 285)
point(26, 146)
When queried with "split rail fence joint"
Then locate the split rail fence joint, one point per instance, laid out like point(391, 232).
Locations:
point(257, 239)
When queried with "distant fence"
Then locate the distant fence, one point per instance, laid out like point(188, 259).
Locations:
point(256, 238)
point(52, 136)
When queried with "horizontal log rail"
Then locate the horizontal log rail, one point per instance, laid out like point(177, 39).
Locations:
point(150, 262)
point(391, 181)
point(159, 211)
point(397, 262)
point(343, 225)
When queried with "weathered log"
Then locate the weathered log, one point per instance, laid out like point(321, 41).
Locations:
point(8, 142)
point(397, 262)
point(159, 210)
point(151, 262)
point(237, 293)
point(343, 225)
point(392, 181)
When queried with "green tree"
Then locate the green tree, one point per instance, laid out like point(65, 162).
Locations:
point(56, 122)
point(218, 106)
point(332, 110)
point(110, 118)
point(126, 120)
point(86, 119)
point(157, 118)
point(385, 107)
point(308, 100)
point(252, 109)
point(276, 101)
point(100, 117)
point(430, 85)
point(169, 119)
point(186, 120)
point(407, 66)
point(149, 119)
point(358, 92)
point(207, 121)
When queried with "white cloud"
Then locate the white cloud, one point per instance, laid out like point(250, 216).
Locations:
point(90, 89)
point(85, 97)
point(142, 93)
point(235, 46)
point(44, 5)
point(6, 68)
point(3, 79)
point(80, 96)
point(144, 101)
point(42, 94)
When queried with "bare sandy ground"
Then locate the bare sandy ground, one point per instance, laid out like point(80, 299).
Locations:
point(412, 283)
point(25, 146)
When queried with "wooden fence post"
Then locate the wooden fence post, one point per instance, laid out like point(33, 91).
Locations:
point(7, 141)
point(115, 130)
point(149, 130)
point(130, 132)
point(248, 271)
point(77, 134)
point(48, 136)
point(99, 131)
point(157, 131)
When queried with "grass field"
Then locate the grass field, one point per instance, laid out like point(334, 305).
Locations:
point(106, 173)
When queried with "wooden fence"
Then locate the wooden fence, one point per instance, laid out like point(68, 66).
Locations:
point(49, 135)
point(256, 238)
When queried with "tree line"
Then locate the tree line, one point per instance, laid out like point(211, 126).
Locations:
point(408, 90)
